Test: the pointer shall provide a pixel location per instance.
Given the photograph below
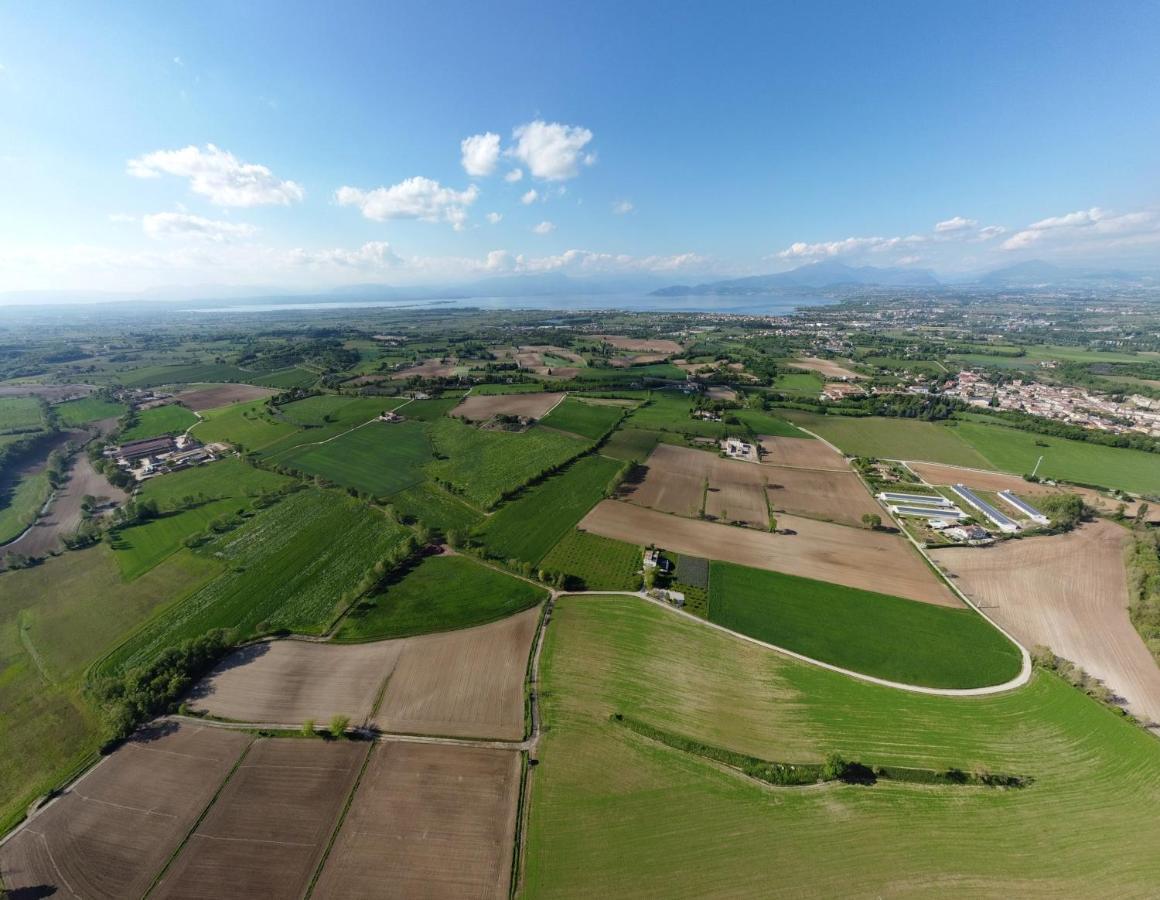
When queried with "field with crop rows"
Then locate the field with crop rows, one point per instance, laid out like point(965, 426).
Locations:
point(599, 563)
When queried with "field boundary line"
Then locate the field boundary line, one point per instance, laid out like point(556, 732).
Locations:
point(339, 820)
point(1018, 681)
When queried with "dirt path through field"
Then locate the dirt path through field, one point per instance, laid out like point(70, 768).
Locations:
point(1069, 593)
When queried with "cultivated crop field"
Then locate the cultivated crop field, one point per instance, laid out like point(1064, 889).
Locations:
point(379, 458)
point(466, 683)
point(630, 444)
point(1067, 592)
point(853, 557)
point(19, 414)
point(763, 423)
point(677, 478)
point(486, 465)
point(75, 413)
point(246, 425)
point(289, 566)
point(168, 419)
point(201, 398)
point(875, 634)
point(802, 452)
point(588, 418)
point(892, 438)
point(831, 368)
point(269, 827)
point(601, 564)
point(427, 820)
point(436, 508)
point(641, 345)
point(669, 411)
point(110, 833)
point(526, 528)
point(610, 807)
point(833, 496)
point(481, 407)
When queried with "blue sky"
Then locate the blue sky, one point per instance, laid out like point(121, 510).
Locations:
point(146, 144)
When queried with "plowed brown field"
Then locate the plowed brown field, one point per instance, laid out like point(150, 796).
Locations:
point(836, 496)
point(481, 407)
point(428, 820)
point(1067, 592)
point(112, 831)
point(855, 557)
point(830, 368)
point(641, 345)
point(467, 683)
point(199, 399)
point(805, 452)
point(267, 830)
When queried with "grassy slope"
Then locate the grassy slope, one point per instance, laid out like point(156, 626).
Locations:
point(247, 425)
point(876, 634)
point(765, 423)
point(486, 464)
point(62, 616)
point(170, 419)
point(380, 458)
point(436, 508)
point(440, 594)
point(630, 443)
point(22, 505)
point(527, 527)
point(590, 420)
point(289, 566)
point(600, 563)
point(74, 413)
point(612, 813)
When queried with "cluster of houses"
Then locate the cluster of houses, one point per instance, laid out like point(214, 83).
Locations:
point(154, 456)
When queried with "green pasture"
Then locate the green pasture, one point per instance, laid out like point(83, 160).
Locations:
point(590, 420)
point(630, 444)
point(379, 459)
point(158, 421)
point(75, 413)
point(436, 508)
point(598, 563)
point(761, 422)
point(247, 425)
point(20, 414)
point(669, 411)
point(892, 438)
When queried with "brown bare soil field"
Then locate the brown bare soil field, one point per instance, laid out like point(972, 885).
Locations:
point(804, 452)
point(265, 834)
point(855, 557)
point(695, 367)
point(360, 380)
point(222, 395)
point(934, 473)
point(1067, 592)
point(641, 345)
point(428, 820)
point(50, 392)
point(429, 368)
point(481, 407)
point(467, 683)
point(109, 834)
point(287, 682)
point(533, 358)
point(676, 483)
point(638, 359)
point(719, 392)
point(836, 496)
point(830, 368)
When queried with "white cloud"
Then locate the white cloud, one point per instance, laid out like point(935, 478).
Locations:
point(908, 260)
point(958, 223)
point(513, 176)
point(623, 207)
point(989, 232)
point(495, 218)
point(1087, 226)
point(544, 227)
point(416, 198)
point(372, 255)
point(530, 197)
point(552, 151)
point(218, 175)
point(847, 247)
point(480, 153)
point(184, 225)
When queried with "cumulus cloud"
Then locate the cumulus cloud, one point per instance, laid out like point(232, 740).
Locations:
point(219, 175)
point(544, 227)
point(184, 225)
point(552, 151)
point(495, 218)
point(623, 207)
point(416, 198)
point(480, 153)
point(513, 176)
point(847, 247)
point(958, 223)
point(1088, 225)
point(372, 255)
point(530, 197)
point(989, 232)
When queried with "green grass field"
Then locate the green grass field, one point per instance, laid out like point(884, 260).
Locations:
point(313, 411)
point(20, 414)
point(590, 420)
point(436, 508)
point(289, 566)
point(614, 813)
point(670, 411)
point(630, 444)
point(245, 425)
point(485, 465)
point(231, 477)
point(160, 420)
point(892, 438)
point(210, 373)
point(55, 620)
point(599, 563)
point(75, 413)
point(380, 459)
point(631, 373)
point(799, 384)
point(21, 504)
point(283, 378)
point(765, 423)
point(526, 528)
point(440, 594)
point(875, 634)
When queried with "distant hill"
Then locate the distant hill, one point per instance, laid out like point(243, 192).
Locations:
point(1037, 273)
point(812, 276)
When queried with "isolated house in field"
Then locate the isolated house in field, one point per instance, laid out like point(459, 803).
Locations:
point(735, 447)
point(654, 560)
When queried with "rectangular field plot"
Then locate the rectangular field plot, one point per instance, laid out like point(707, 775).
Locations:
point(265, 834)
point(800, 451)
point(590, 419)
point(855, 557)
point(379, 458)
point(467, 683)
point(110, 833)
point(679, 478)
point(288, 682)
point(598, 563)
point(481, 407)
point(427, 821)
point(834, 496)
